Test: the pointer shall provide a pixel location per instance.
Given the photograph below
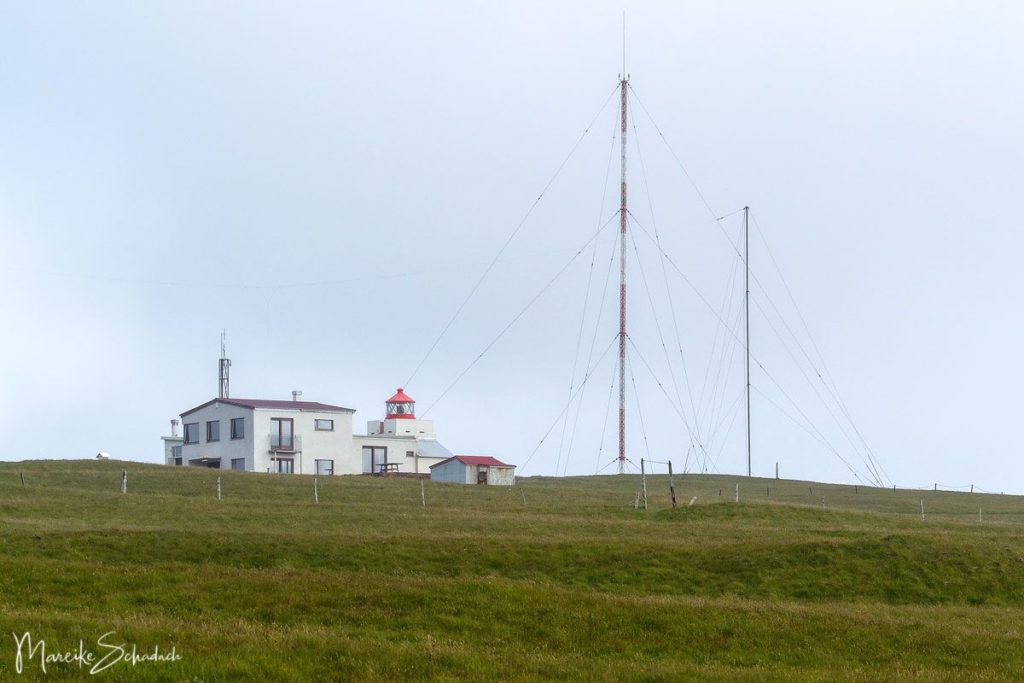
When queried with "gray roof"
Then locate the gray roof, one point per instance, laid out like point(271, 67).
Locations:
point(274, 405)
point(431, 448)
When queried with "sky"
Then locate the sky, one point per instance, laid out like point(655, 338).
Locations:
point(328, 182)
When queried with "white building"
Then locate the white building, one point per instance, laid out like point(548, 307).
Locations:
point(259, 435)
point(474, 469)
point(305, 437)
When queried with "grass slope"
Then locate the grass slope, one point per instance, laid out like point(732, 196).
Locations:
point(572, 584)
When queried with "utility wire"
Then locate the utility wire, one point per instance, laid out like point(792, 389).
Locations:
point(636, 400)
point(519, 314)
point(742, 345)
point(835, 389)
point(567, 404)
point(607, 410)
point(661, 386)
point(586, 301)
point(509, 239)
point(664, 274)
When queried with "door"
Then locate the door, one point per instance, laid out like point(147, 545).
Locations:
point(373, 458)
point(481, 475)
point(284, 466)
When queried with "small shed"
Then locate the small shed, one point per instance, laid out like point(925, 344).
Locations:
point(474, 469)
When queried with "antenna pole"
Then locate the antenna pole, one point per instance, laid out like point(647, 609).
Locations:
point(224, 369)
point(746, 305)
point(623, 83)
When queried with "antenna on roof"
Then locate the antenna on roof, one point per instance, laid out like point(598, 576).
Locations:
point(224, 372)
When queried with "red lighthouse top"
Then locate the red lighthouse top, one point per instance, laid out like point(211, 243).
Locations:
point(400, 406)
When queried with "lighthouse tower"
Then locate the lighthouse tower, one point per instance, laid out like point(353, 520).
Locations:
point(400, 419)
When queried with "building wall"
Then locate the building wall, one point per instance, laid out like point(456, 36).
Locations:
point(312, 444)
point(453, 471)
point(227, 448)
point(169, 443)
point(501, 476)
point(398, 449)
point(402, 427)
point(254, 447)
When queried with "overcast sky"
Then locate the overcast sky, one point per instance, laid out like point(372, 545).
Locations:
point(327, 183)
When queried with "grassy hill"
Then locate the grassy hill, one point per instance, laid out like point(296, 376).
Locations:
point(572, 583)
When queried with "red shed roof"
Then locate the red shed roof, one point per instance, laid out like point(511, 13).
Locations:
point(485, 460)
point(274, 405)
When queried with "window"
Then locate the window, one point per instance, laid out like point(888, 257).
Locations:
point(213, 430)
point(176, 452)
point(281, 433)
point(325, 467)
point(282, 466)
point(323, 425)
point(192, 432)
point(410, 454)
point(238, 428)
point(237, 463)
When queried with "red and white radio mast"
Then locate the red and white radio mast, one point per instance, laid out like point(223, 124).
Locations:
point(624, 84)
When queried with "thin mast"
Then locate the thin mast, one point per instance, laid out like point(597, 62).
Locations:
point(623, 83)
point(224, 369)
point(746, 302)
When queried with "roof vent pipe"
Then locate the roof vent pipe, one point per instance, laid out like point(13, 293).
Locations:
point(296, 395)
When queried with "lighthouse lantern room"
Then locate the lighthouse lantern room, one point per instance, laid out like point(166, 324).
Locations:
point(400, 419)
point(400, 407)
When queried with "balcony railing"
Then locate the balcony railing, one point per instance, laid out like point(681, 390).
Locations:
point(276, 444)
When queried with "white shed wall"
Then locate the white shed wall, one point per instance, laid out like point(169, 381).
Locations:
point(501, 476)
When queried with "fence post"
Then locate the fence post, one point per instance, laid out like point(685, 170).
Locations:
point(523, 492)
point(124, 481)
point(423, 494)
point(22, 479)
point(218, 488)
point(316, 490)
point(671, 485)
point(737, 493)
point(643, 479)
point(922, 508)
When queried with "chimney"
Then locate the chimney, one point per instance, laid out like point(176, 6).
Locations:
point(296, 395)
point(174, 427)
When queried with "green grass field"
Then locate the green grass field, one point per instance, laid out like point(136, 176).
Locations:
point(573, 583)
